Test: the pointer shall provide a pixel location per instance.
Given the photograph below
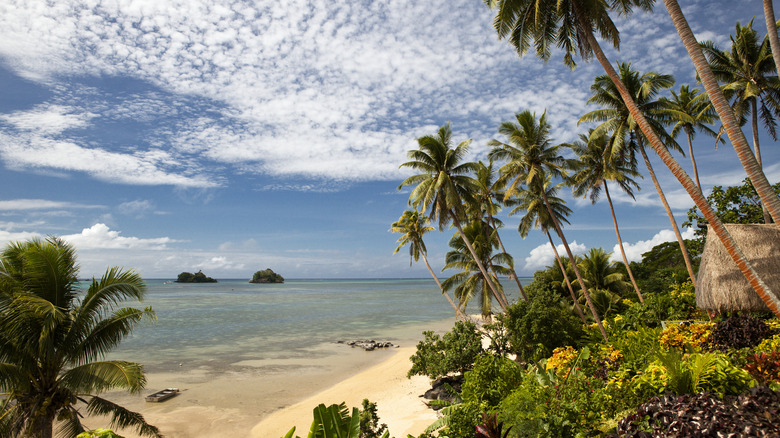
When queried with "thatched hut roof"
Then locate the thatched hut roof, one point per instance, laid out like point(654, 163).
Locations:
point(721, 286)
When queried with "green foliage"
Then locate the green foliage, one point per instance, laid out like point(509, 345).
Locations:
point(266, 276)
point(664, 265)
point(681, 373)
point(455, 352)
point(537, 327)
point(369, 422)
point(733, 205)
point(490, 380)
point(198, 277)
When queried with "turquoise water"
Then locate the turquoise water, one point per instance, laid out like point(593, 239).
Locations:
point(217, 324)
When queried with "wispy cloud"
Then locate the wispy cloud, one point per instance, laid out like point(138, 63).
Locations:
point(42, 204)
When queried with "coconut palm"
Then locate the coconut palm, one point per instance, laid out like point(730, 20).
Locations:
point(627, 138)
point(536, 215)
point(530, 157)
point(569, 24)
point(771, 30)
point(750, 78)
point(54, 337)
point(594, 167)
point(412, 228)
point(690, 111)
point(487, 202)
point(470, 281)
point(603, 278)
point(732, 127)
point(444, 184)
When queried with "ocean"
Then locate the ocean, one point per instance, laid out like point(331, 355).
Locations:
point(216, 325)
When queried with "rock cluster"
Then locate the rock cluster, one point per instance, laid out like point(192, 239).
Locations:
point(368, 344)
point(445, 389)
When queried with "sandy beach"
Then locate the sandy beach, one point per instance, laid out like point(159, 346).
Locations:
point(265, 398)
point(398, 400)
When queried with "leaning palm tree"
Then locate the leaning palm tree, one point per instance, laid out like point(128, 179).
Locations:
point(530, 156)
point(443, 184)
point(536, 215)
point(469, 281)
point(690, 111)
point(746, 157)
point(570, 25)
point(750, 78)
point(412, 228)
point(627, 138)
point(54, 337)
point(771, 30)
point(593, 169)
point(486, 202)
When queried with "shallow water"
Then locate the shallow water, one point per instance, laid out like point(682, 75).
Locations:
point(233, 322)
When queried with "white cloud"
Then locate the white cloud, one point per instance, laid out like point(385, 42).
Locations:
point(99, 236)
point(543, 255)
point(41, 204)
point(48, 119)
point(634, 251)
point(138, 207)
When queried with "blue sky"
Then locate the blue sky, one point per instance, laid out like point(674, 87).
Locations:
point(231, 136)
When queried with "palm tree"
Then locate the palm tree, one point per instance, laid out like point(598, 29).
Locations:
point(627, 138)
point(487, 201)
point(691, 111)
point(538, 216)
point(470, 281)
point(54, 337)
point(738, 140)
point(750, 77)
point(413, 227)
point(569, 24)
point(603, 278)
point(771, 30)
point(443, 185)
point(595, 166)
point(530, 157)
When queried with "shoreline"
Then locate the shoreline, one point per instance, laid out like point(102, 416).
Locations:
point(254, 398)
point(398, 399)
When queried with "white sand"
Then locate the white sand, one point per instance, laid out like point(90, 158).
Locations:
point(398, 400)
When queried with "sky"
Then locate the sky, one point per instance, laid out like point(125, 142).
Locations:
point(233, 136)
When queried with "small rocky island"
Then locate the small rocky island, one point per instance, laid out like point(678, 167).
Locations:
point(266, 276)
point(198, 277)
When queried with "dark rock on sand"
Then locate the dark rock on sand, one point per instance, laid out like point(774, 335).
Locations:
point(368, 344)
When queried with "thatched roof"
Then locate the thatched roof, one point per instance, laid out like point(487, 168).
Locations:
point(721, 286)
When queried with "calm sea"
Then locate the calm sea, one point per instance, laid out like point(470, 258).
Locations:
point(217, 324)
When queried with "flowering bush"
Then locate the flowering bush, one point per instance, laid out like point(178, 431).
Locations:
point(680, 335)
point(561, 360)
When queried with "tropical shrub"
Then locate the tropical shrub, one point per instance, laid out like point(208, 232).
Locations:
point(679, 336)
point(764, 367)
point(491, 427)
point(455, 352)
point(753, 413)
point(98, 433)
point(540, 325)
point(490, 380)
point(680, 373)
point(741, 331)
point(638, 347)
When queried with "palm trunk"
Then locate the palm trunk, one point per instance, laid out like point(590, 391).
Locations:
point(620, 242)
point(675, 228)
point(566, 278)
point(477, 260)
point(771, 31)
point(574, 266)
point(698, 198)
point(458, 313)
point(757, 149)
point(726, 114)
point(693, 162)
point(501, 245)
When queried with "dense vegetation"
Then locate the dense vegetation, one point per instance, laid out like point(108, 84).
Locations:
point(198, 277)
point(266, 276)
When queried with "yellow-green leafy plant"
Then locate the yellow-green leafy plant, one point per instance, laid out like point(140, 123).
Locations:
point(679, 335)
